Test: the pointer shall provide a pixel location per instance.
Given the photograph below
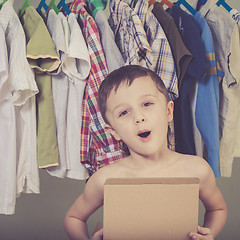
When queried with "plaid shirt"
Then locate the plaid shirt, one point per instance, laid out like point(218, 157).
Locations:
point(98, 148)
point(140, 36)
point(163, 63)
point(130, 36)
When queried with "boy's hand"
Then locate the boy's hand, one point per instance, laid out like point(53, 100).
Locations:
point(203, 234)
point(98, 235)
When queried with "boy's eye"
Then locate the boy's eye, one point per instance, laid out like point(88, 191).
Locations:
point(123, 113)
point(146, 104)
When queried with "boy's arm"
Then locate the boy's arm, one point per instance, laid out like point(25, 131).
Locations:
point(212, 199)
point(216, 210)
point(88, 202)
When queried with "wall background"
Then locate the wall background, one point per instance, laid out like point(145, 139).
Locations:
point(41, 216)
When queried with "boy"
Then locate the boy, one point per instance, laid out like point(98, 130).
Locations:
point(136, 108)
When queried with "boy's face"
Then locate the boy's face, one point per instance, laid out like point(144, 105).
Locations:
point(139, 116)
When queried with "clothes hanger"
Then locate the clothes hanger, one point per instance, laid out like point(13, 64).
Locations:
point(151, 2)
point(41, 5)
point(53, 5)
point(220, 2)
point(63, 5)
point(2, 3)
point(202, 1)
point(135, 2)
point(166, 2)
point(163, 2)
point(224, 4)
point(96, 5)
point(187, 6)
point(25, 5)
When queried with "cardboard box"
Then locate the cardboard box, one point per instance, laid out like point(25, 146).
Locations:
point(150, 208)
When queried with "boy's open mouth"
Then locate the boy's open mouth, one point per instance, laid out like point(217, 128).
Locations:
point(144, 134)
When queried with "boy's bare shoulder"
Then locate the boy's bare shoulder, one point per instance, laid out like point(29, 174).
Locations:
point(195, 166)
point(112, 170)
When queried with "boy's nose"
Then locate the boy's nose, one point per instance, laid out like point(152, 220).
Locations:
point(139, 118)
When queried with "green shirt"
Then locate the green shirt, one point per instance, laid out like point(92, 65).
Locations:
point(43, 59)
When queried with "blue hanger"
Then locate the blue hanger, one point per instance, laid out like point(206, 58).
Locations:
point(224, 4)
point(41, 5)
point(65, 7)
point(203, 1)
point(187, 6)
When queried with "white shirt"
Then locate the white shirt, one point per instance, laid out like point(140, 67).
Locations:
point(23, 88)
point(59, 92)
point(7, 137)
point(68, 90)
point(230, 142)
point(77, 67)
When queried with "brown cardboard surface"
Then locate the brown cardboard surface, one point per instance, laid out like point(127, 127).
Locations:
point(150, 208)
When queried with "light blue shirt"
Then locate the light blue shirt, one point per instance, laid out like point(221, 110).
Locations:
point(207, 103)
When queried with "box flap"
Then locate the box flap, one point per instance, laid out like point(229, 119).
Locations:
point(129, 181)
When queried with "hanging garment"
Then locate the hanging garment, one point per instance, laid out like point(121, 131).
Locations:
point(60, 89)
point(18, 89)
point(42, 57)
point(207, 102)
point(163, 62)
point(98, 147)
point(230, 143)
point(68, 87)
point(222, 27)
point(113, 56)
point(190, 32)
point(8, 131)
point(130, 36)
point(235, 70)
point(181, 55)
point(78, 67)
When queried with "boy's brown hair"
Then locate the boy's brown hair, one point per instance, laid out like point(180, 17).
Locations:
point(126, 74)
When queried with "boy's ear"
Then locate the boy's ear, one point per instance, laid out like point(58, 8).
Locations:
point(109, 129)
point(170, 107)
